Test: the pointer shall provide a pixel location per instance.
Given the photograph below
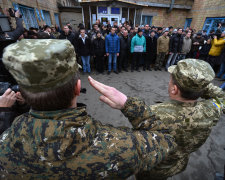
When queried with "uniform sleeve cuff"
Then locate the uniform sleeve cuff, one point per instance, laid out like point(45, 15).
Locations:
point(136, 111)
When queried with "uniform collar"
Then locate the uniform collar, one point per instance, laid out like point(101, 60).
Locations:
point(70, 114)
point(184, 104)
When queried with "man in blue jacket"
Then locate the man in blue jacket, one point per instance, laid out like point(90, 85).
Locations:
point(112, 48)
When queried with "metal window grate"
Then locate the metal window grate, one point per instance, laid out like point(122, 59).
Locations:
point(57, 19)
point(212, 23)
point(28, 16)
point(188, 23)
point(146, 20)
point(47, 17)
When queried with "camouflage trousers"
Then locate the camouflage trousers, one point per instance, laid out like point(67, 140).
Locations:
point(160, 59)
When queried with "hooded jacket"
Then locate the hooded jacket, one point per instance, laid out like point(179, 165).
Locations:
point(217, 46)
point(138, 41)
point(98, 47)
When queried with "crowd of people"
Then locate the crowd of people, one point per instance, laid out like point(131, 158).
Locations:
point(117, 47)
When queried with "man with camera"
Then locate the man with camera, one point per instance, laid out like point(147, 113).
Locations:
point(12, 104)
point(14, 35)
point(217, 43)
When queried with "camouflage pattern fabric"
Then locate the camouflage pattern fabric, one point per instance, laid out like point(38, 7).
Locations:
point(69, 144)
point(191, 74)
point(190, 124)
point(40, 65)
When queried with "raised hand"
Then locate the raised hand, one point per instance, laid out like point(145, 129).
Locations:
point(110, 95)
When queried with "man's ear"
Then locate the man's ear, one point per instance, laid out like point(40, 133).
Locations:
point(78, 88)
point(174, 90)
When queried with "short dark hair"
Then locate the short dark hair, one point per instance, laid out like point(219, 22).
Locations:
point(56, 99)
point(112, 28)
point(43, 35)
point(81, 29)
point(98, 32)
point(187, 94)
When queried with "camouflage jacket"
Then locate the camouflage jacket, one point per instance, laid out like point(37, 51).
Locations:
point(190, 124)
point(69, 144)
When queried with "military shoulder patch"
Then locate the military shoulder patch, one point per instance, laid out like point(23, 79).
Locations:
point(217, 105)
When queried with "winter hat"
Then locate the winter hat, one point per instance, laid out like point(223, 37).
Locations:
point(152, 31)
point(199, 33)
point(160, 28)
point(166, 30)
point(139, 30)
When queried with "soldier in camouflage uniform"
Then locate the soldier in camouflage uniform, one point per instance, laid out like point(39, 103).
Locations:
point(189, 120)
point(57, 139)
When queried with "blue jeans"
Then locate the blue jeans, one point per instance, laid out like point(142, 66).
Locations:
point(222, 71)
point(86, 63)
point(114, 57)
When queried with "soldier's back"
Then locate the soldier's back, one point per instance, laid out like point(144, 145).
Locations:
point(190, 124)
point(69, 144)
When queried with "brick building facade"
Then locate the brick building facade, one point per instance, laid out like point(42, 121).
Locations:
point(199, 14)
point(155, 12)
point(205, 14)
point(50, 12)
point(36, 12)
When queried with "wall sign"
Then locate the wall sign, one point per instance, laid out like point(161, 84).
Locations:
point(102, 10)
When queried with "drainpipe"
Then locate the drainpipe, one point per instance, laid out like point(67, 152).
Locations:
point(171, 6)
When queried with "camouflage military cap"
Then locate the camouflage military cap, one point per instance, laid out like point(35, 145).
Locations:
point(192, 74)
point(39, 65)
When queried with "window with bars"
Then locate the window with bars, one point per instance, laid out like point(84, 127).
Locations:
point(28, 16)
point(212, 24)
point(47, 17)
point(188, 23)
point(57, 19)
point(146, 20)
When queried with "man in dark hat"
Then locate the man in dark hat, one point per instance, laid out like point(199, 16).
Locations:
point(159, 32)
point(197, 41)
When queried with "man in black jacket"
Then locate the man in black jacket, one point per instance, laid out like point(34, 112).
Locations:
point(151, 50)
point(67, 34)
point(84, 50)
point(146, 31)
point(175, 47)
point(98, 51)
point(124, 51)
